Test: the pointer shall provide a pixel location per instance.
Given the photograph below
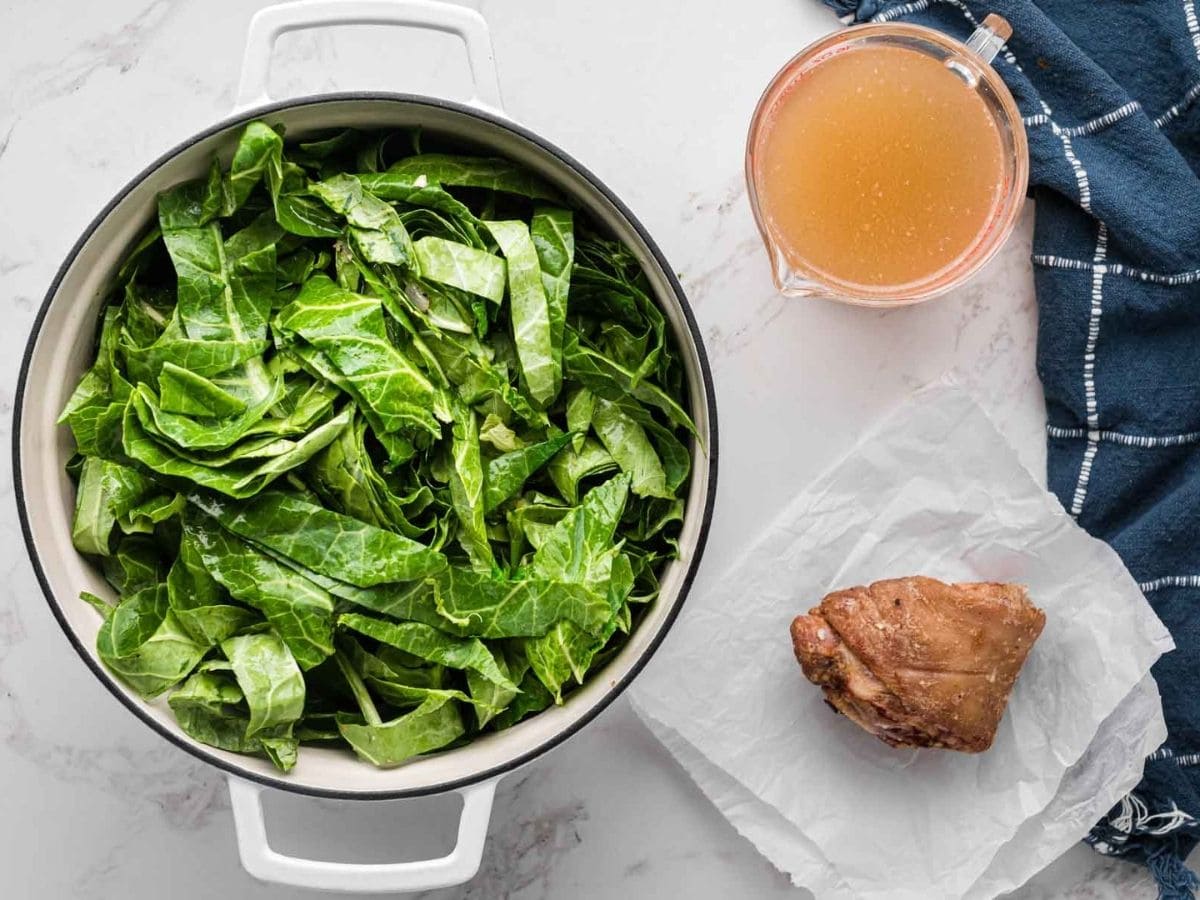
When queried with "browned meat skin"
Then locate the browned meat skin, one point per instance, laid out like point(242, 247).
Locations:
point(918, 662)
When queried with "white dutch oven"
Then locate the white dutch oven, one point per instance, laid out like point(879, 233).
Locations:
point(61, 347)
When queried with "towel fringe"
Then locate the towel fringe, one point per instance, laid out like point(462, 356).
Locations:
point(1160, 839)
point(1175, 880)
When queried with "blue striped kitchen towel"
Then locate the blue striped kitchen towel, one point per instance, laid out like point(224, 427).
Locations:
point(1110, 94)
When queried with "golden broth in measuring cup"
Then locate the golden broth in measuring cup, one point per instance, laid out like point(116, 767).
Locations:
point(886, 164)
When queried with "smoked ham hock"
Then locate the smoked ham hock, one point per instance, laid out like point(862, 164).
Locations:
point(918, 662)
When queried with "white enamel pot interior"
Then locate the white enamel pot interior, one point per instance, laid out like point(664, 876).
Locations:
point(60, 349)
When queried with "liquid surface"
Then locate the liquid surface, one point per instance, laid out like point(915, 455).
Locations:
point(878, 167)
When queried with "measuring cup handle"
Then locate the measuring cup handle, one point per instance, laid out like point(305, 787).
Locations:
point(459, 866)
point(269, 23)
point(986, 40)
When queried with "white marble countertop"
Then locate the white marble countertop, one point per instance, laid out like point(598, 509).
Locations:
point(655, 98)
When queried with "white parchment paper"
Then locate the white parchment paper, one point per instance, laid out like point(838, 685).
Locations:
point(1109, 769)
point(935, 490)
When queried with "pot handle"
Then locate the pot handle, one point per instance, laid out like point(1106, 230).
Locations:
point(420, 875)
point(270, 22)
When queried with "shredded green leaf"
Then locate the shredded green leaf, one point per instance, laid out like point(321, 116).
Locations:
point(380, 451)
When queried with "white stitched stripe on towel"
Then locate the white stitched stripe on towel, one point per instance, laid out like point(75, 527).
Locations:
point(1129, 440)
point(1050, 261)
point(1170, 581)
point(1089, 372)
point(1188, 99)
point(1183, 759)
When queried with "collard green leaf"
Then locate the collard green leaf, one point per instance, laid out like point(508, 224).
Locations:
point(467, 489)
point(322, 540)
point(262, 233)
point(338, 475)
point(107, 491)
point(203, 357)
point(208, 309)
point(609, 380)
point(97, 429)
point(318, 728)
point(629, 445)
point(253, 448)
point(430, 644)
point(530, 522)
point(675, 457)
point(634, 352)
point(94, 408)
point(581, 403)
point(472, 171)
point(269, 678)
point(211, 708)
point(148, 513)
point(375, 228)
point(258, 146)
point(337, 143)
point(612, 285)
point(305, 403)
point(580, 547)
point(135, 619)
point(349, 330)
point(198, 601)
point(461, 266)
point(488, 697)
point(534, 697)
point(137, 563)
point(430, 726)
point(491, 606)
point(297, 405)
point(144, 644)
point(259, 156)
point(507, 474)
point(552, 230)
point(144, 315)
point(183, 391)
point(571, 466)
point(398, 684)
point(300, 611)
point(99, 604)
point(414, 602)
point(444, 306)
point(479, 378)
point(207, 434)
point(347, 478)
point(565, 652)
point(399, 189)
point(533, 330)
point(232, 480)
point(252, 261)
point(213, 198)
point(297, 267)
point(494, 431)
point(205, 304)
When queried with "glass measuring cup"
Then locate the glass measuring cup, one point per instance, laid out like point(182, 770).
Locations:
point(978, 236)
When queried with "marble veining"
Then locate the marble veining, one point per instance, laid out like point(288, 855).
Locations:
point(118, 49)
point(97, 806)
point(523, 855)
